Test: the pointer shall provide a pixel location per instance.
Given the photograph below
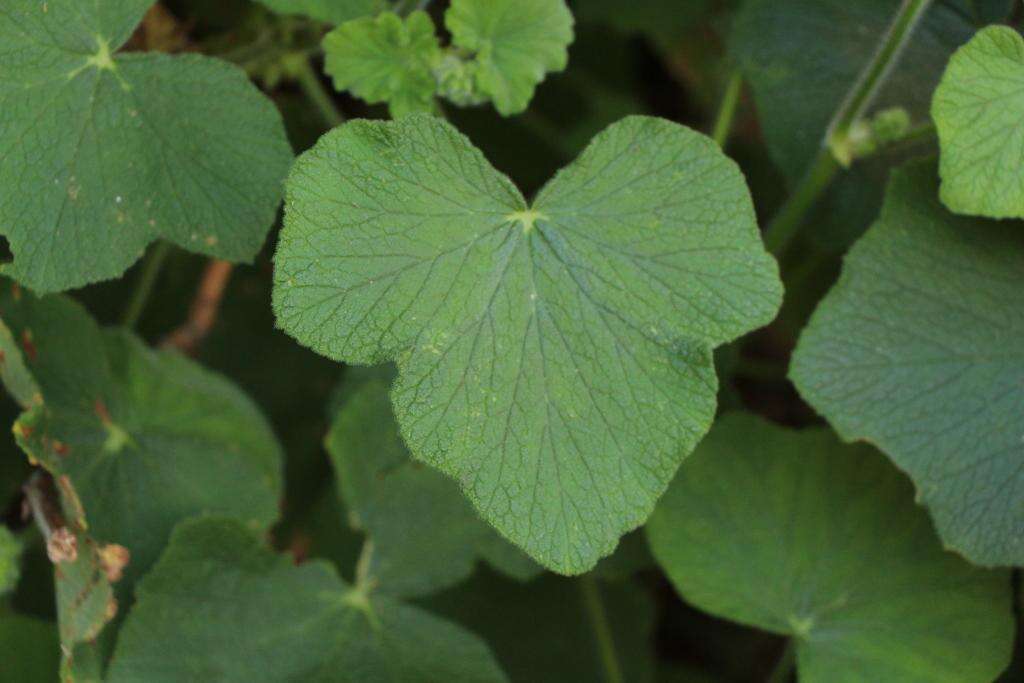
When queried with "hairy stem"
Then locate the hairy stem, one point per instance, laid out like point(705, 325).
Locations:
point(783, 670)
point(727, 109)
point(835, 147)
point(602, 629)
point(315, 91)
point(150, 270)
point(205, 308)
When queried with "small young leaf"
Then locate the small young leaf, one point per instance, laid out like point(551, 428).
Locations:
point(100, 154)
point(797, 534)
point(977, 111)
point(144, 438)
point(554, 359)
point(515, 42)
point(221, 606)
point(329, 11)
point(386, 59)
point(917, 349)
point(425, 535)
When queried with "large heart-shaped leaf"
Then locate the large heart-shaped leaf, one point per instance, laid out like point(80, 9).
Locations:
point(554, 358)
point(143, 438)
point(102, 153)
point(795, 533)
point(219, 606)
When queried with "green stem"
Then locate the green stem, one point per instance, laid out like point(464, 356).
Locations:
point(871, 79)
point(836, 148)
point(783, 670)
point(314, 89)
point(786, 223)
point(602, 629)
point(727, 109)
point(150, 270)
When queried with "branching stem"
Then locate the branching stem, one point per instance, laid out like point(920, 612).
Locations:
point(836, 145)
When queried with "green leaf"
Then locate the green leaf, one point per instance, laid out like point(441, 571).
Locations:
point(515, 43)
point(10, 557)
point(977, 111)
point(544, 632)
point(100, 154)
point(797, 534)
point(219, 606)
point(424, 534)
point(800, 58)
point(555, 359)
point(329, 11)
point(917, 350)
point(144, 438)
point(35, 643)
point(386, 59)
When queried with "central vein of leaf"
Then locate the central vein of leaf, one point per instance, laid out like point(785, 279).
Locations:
point(103, 59)
point(117, 438)
point(527, 218)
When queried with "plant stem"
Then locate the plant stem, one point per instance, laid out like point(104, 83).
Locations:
point(727, 109)
point(874, 75)
point(205, 307)
point(150, 270)
point(783, 669)
point(314, 89)
point(602, 630)
point(786, 223)
point(835, 147)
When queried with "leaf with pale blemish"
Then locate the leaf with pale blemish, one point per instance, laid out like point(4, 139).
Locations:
point(554, 359)
point(798, 534)
point(222, 606)
point(102, 153)
point(425, 535)
point(137, 439)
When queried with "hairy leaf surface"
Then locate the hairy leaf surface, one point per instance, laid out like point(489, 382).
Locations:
point(556, 358)
point(795, 533)
point(917, 349)
point(222, 607)
point(145, 438)
point(977, 110)
point(515, 43)
point(102, 153)
point(386, 59)
point(424, 533)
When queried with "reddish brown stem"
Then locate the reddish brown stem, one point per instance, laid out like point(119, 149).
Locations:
point(205, 307)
